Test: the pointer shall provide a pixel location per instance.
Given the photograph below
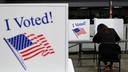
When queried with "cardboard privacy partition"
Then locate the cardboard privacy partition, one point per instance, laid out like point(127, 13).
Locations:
point(79, 29)
point(33, 37)
point(117, 24)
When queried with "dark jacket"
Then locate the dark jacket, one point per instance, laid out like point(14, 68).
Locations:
point(108, 48)
point(106, 37)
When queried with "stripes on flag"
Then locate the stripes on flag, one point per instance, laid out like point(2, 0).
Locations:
point(79, 31)
point(31, 45)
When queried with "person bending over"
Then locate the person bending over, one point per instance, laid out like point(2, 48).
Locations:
point(105, 36)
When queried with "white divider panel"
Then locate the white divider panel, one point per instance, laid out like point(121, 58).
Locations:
point(33, 37)
point(79, 29)
point(117, 24)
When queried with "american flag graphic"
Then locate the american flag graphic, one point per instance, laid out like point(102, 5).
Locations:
point(79, 31)
point(30, 45)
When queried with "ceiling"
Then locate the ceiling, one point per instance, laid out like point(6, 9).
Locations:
point(64, 0)
point(86, 8)
point(75, 3)
point(95, 0)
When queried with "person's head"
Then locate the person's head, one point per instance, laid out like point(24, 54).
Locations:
point(101, 27)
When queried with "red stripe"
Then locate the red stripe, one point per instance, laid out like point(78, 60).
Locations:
point(82, 31)
point(41, 39)
point(30, 49)
point(46, 54)
point(31, 52)
point(44, 41)
point(50, 49)
point(52, 52)
point(30, 35)
point(39, 35)
point(38, 40)
point(41, 42)
point(34, 38)
point(33, 55)
point(46, 44)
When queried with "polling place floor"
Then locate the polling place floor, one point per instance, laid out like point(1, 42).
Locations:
point(90, 65)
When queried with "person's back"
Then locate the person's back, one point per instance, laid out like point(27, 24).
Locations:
point(106, 35)
point(109, 36)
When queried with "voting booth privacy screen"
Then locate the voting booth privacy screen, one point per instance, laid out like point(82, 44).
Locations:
point(79, 29)
point(33, 37)
point(117, 24)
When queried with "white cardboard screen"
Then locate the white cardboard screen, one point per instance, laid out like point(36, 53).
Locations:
point(117, 24)
point(33, 37)
point(79, 29)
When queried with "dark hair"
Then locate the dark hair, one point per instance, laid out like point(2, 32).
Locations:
point(101, 27)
